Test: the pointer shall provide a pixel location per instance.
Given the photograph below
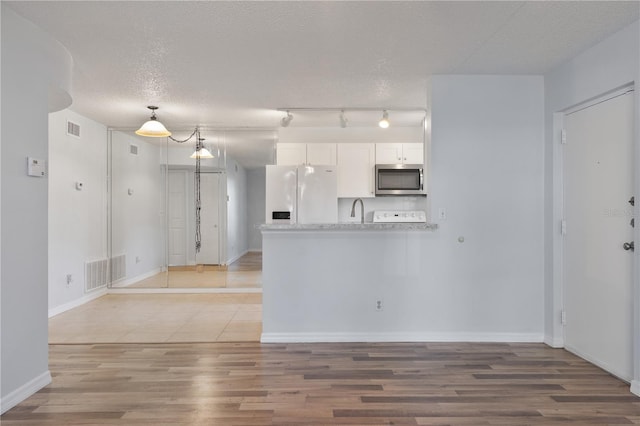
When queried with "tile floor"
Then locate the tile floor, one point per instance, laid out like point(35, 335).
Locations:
point(161, 318)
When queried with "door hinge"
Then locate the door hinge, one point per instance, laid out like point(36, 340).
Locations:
point(563, 227)
point(563, 136)
point(563, 317)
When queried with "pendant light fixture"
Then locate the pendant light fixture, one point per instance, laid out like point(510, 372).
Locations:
point(384, 123)
point(153, 128)
point(201, 151)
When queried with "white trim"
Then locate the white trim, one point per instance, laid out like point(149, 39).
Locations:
point(554, 342)
point(303, 337)
point(77, 302)
point(233, 259)
point(133, 280)
point(606, 367)
point(164, 290)
point(25, 391)
point(598, 99)
point(635, 387)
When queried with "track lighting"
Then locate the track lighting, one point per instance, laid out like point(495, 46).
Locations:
point(343, 119)
point(404, 115)
point(384, 123)
point(286, 120)
point(153, 128)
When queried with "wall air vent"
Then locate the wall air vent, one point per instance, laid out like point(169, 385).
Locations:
point(73, 129)
point(133, 149)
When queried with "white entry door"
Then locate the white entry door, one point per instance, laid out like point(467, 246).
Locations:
point(177, 218)
point(598, 183)
point(209, 219)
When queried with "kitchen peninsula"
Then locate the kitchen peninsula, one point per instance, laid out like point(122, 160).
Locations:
point(342, 282)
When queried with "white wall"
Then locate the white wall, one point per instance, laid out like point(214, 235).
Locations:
point(77, 219)
point(36, 72)
point(256, 187)
point(487, 171)
point(138, 220)
point(610, 64)
point(237, 236)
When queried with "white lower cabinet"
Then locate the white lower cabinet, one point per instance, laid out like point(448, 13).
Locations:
point(356, 162)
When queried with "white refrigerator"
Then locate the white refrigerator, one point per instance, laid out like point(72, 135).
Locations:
point(301, 194)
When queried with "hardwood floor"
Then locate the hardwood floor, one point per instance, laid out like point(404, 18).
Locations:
point(325, 384)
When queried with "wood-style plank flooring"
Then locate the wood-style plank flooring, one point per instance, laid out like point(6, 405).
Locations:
point(325, 384)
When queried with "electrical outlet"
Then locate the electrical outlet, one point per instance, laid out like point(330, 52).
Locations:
point(69, 279)
point(138, 260)
point(379, 305)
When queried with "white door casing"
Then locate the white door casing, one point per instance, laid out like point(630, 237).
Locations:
point(177, 218)
point(209, 219)
point(598, 272)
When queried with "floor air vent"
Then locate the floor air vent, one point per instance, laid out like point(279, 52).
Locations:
point(97, 272)
point(118, 267)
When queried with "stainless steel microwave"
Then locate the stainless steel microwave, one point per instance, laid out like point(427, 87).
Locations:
point(399, 179)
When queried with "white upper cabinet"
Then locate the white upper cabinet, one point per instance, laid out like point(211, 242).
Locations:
point(294, 154)
point(291, 154)
point(321, 154)
point(399, 153)
point(356, 162)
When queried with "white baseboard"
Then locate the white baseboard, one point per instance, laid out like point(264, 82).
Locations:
point(25, 391)
point(606, 367)
point(554, 342)
point(400, 337)
point(635, 387)
point(233, 259)
point(127, 282)
point(195, 290)
point(75, 303)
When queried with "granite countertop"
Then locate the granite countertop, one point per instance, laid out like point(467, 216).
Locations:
point(350, 226)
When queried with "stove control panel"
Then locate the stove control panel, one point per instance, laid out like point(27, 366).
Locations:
point(399, 216)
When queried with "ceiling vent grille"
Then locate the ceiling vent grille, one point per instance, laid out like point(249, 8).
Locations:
point(73, 129)
point(133, 149)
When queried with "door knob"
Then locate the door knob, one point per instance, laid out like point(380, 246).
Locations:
point(628, 246)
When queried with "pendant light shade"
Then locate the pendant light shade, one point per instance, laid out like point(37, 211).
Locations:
point(202, 153)
point(153, 128)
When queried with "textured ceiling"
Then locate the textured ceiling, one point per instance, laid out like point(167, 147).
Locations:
point(232, 64)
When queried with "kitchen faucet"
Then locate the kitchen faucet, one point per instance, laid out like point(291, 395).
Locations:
point(353, 209)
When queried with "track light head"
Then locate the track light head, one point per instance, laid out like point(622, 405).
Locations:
point(343, 120)
point(286, 120)
point(384, 123)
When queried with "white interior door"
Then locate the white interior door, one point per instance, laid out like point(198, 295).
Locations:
point(177, 218)
point(598, 182)
point(209, 219)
